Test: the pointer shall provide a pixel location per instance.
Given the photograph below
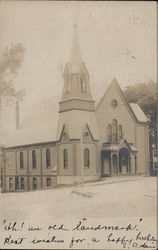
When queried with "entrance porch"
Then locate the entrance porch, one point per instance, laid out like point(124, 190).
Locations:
point(118, 159)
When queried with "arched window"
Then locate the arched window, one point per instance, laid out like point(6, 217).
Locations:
point(48, 158)
point(86, 158)
point(109, 132)
point(83, 84)
point(48, 182)
point(11, 183)
point(120, 132)
point(65, 155)
point(114, 130)
point(22, 183)
point(33, 159)
point(34, 183)
point(21, 160)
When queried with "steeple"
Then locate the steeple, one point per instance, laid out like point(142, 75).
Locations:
point(75, 58)
point(76, 91)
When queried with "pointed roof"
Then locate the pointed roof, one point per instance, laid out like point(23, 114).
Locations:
point(75, 59)
point(130, 146)
point(133, 109)
point(75, 53)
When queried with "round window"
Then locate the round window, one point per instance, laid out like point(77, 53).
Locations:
point(114, 103)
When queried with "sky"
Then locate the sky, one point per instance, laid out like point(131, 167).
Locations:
point(117, 39)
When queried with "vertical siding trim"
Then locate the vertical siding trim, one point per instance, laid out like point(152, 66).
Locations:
point(16, 162)
point(27, 165)
point(146, 156)
point(4, 171)
point(74, 158)
point(96, 160)
point(41, 168)
point(135, 132)
point(57, 158)
point(147, 149)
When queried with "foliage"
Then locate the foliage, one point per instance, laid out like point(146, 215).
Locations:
point(10, 62)
point(145, 94)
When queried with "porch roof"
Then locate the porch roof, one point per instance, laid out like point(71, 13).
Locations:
point(117, 146)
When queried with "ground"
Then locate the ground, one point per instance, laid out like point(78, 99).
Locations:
point(112, 200)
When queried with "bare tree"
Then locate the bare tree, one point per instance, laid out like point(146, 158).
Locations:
point(10, 62)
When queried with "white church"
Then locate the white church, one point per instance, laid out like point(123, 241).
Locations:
point(84, 141)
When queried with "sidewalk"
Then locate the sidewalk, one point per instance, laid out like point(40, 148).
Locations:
point(108, 180)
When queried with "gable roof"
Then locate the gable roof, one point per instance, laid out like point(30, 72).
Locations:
point(134, 110)
point(131, 147)
point(141, 117)
point(34, 135)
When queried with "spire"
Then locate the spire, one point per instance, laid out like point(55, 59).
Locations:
point(75, 53)
point(76, 89)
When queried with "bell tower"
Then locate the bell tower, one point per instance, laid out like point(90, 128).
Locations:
point(77, 134)
point(76, 91)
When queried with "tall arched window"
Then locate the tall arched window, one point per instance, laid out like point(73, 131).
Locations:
point(120, 132)
point(33, 159)
point(48, 158)
point(86, 158)
point(114, 130)
point(109, 132)
point(48, 182)
point(83, 84)
point(65, 156)
point(22, 183)
point(34, 183)
point(11, 183)
point(21, 160)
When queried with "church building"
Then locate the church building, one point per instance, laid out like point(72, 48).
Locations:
point(87, 142)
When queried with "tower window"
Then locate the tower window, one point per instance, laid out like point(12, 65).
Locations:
point(21, 160)
point(86, 158)
point(83, 84)
point(48, 182)
point(33, 159)
point(48, 158)
point(65, 152)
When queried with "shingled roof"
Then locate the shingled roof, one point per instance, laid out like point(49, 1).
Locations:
point(141, 117)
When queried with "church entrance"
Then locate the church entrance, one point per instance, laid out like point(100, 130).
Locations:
point(114, 165)
point(106, 163)
point(124, 161)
